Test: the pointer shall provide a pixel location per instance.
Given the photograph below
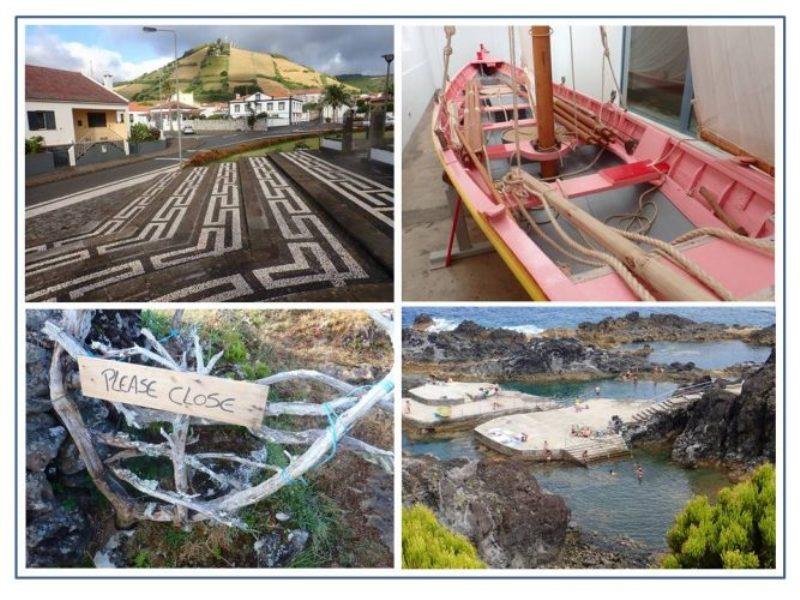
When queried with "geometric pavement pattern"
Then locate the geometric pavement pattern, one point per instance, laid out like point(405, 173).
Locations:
point(233, 231)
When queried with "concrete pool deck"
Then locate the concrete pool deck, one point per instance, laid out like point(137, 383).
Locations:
point(426, 417)
point(548, 435)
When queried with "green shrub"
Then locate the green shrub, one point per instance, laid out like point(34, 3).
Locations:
point(142, 133)
point(427, 544)
point(34, 145)
point(738, 532)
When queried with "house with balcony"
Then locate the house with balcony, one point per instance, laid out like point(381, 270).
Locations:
point(279, 111)
point(79, 120)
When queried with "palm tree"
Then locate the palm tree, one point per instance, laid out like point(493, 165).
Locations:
point(336, 96)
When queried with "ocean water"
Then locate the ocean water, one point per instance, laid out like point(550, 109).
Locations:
point(534, 320)
point(706, 355)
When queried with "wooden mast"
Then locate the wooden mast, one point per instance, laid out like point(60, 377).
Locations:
point(543, 78)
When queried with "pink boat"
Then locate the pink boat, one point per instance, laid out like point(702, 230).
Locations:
point(704, 216)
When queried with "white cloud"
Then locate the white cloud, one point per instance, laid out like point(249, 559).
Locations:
point(333, 65)
point(49, 51)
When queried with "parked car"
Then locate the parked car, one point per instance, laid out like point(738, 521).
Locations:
point(188, 130)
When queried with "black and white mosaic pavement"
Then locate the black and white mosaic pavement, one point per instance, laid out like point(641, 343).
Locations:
point(228, 232)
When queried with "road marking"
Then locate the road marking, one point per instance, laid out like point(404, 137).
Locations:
point(77, 197)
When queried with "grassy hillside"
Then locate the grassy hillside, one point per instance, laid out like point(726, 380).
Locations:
point(217, 71)
point(366, 83)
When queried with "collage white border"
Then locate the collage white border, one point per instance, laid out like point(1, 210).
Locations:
point(154, 8)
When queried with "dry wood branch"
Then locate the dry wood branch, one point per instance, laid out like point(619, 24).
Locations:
point(181, 506)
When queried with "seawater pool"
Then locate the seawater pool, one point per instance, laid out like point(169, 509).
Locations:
point(609, 504)
point(706, 355)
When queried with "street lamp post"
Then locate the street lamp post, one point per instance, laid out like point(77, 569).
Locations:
point(388, 58)
point(177, 90)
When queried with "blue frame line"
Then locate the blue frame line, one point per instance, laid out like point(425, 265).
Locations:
point(391, 19)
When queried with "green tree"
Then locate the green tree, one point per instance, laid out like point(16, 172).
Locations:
point(336, 96)
point(738, 532)
point(427, 544)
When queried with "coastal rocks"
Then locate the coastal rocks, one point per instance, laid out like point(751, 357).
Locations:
point(467, 342)
point(634, 327)
point(422, 322)
point(729, 428)
point(720, 427)
point(498, 353)
point(586, 550)
point(498, 505)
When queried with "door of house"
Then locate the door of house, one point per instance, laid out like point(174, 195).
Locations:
point(656, 76)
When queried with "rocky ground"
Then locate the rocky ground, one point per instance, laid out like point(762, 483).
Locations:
point(472, 351)
point(342, 517)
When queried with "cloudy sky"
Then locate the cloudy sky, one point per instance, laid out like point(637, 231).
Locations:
point(127, 52)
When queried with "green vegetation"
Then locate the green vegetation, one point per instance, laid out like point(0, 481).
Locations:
point(157, 322)
point(336, 96)
point(371, 84)
point(738, 532)
point(142, 133)
point(204, 71)
point(427, 544)
point(34, 145)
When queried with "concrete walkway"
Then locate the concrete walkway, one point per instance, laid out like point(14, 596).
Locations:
point(433, 418)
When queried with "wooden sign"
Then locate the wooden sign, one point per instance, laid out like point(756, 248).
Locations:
point(203, 396)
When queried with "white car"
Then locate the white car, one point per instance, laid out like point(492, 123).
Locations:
point(188, 130)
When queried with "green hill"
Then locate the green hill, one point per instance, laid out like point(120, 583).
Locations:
point(218, 71)
point(366, 83)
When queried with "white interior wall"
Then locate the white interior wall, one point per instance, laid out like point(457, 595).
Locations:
point(423, 61)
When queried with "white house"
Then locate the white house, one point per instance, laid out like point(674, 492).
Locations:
point(169, 115)
point(280, 111)
point(74, 115)
point(214, 109)
point(138, 113)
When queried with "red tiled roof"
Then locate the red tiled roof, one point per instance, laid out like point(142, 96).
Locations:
point(138, 107)
point(57, 85)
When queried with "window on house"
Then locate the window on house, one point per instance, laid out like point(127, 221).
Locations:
point(281, 105)
point(269, 105)
point(236, 108)
point(41, 119)
point(96, 119)
point(657, 80)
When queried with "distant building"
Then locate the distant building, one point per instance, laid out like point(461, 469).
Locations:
point(213, 109)
point(79, 119)
point(280, 111)
point(139, 113)
point(170, 115)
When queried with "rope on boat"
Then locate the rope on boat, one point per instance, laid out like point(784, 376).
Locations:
point(731, 236)
point(602, 257)
point(688, 265)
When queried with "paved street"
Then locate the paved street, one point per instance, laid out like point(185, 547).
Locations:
point(123, 174)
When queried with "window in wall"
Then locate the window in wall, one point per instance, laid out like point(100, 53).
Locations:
point(281, 105)
point(656, 79)
point(41, 119)
point(96, 119)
